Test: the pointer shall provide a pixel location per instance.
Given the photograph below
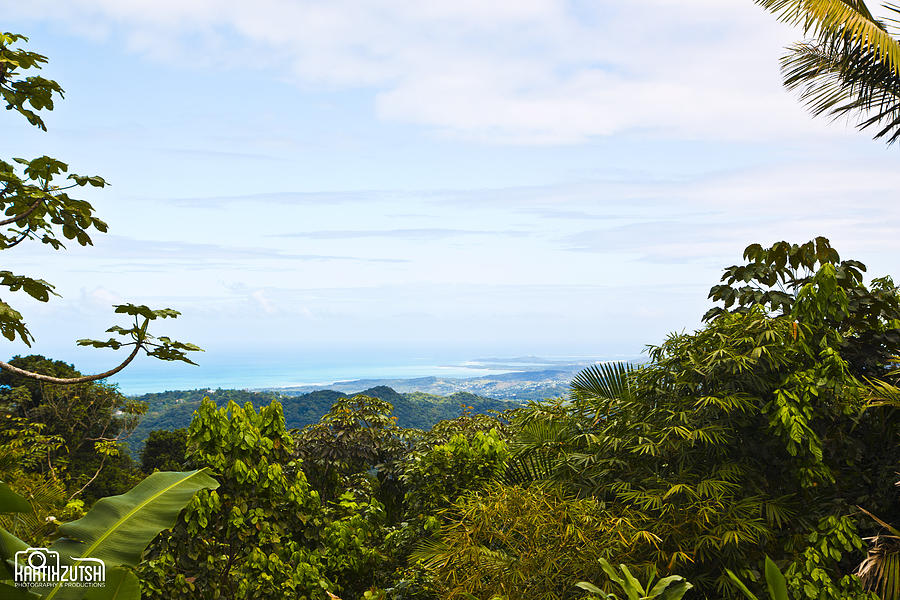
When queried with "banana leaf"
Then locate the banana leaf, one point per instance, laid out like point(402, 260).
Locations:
point(117, 529)
point(11, 501)
point(121, 584)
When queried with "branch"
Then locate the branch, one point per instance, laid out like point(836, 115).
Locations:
point(33, 208)
point(91, 480)
point(73, 380)
point(21, 238)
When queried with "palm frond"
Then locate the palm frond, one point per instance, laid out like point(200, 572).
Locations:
point(534, 449)
point(845, 80)
point(880, 571)
point(850, 20)
point(883, 393)
point(604, 381)
point(537, 434)
point(894, 531)
point(432, 553)
point(46, 496)
point(522, 470)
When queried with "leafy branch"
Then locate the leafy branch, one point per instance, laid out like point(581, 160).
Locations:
point(163, 348)
point(34, 207)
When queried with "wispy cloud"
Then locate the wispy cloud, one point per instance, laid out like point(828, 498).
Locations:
point(424, 233)
point(156, 255)
point(520, 72)
point(220, 154)
point(288, 198)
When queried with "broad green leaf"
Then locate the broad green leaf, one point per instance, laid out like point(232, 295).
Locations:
point(11, 501)
point(677, 591)
point(9, 545)
point(775, 581)
point(664, 583)
point(741, 586)
point(10, 592)
point(633, 587)
point(611, 572)
point(590, 587)
point(121, 584)
point(117, 529)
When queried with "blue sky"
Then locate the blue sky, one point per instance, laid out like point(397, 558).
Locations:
point(394, 180)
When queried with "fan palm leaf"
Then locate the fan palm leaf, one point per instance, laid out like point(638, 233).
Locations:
point(534, 449)
point(880, 571)
point(607, 381)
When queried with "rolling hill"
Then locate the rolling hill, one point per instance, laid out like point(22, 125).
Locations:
point(174, 409)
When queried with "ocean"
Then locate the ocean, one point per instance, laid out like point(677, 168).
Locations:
point(254, 372)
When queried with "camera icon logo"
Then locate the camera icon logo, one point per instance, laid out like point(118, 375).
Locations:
point(36, 565)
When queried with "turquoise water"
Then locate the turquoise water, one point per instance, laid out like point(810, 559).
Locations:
point(249, 371)
point(176, 377)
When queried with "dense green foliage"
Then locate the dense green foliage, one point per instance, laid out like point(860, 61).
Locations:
point(756, 436)
point(81, 427)
point(752, 436)
point(252, 537)
point(174, 409)
point(164, 451)
point(441, 473)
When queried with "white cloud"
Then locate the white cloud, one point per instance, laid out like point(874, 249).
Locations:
point(103, 297)
point(264, 303)
point(533, 71)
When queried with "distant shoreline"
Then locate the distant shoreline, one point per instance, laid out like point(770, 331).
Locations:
point(295, 377)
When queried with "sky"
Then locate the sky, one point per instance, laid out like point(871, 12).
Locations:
point(359, 183)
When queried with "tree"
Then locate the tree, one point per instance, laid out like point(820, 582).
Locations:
point(90, 419)
point(358, 436)
point(777, 277)
point(850, 66)
point(436, 477)
point(254, 536)
point(164, 450)
point(38, 207)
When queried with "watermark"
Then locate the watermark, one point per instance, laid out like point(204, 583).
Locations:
point(40, 567)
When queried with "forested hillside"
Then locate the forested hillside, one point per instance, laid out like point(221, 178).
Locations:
point(173, 409)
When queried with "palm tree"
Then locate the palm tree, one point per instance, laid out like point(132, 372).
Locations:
point(850, 64)
point(880, 571)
